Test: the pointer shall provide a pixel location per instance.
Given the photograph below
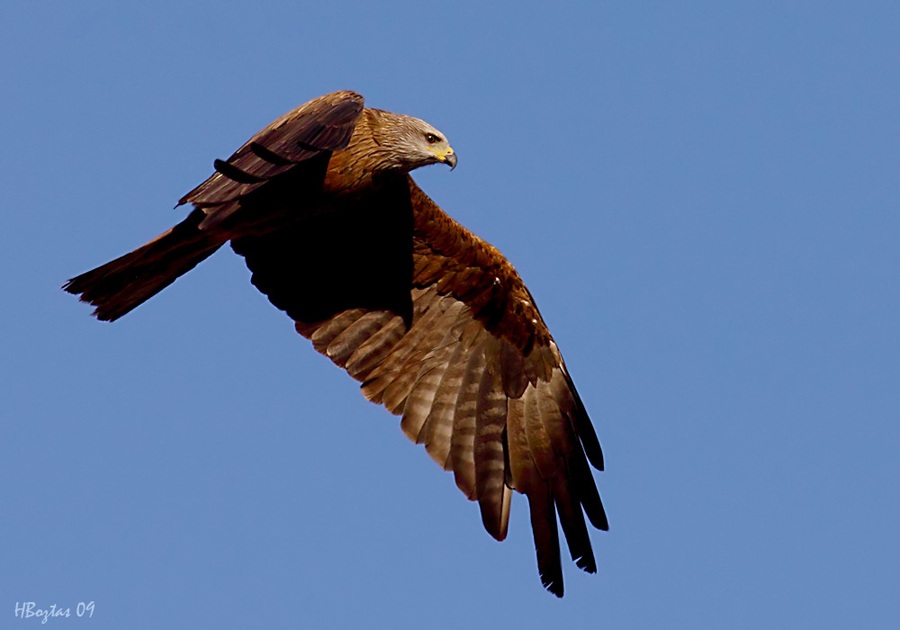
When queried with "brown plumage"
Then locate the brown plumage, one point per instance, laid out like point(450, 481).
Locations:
point(433, 321)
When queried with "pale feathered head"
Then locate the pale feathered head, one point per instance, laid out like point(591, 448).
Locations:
point(409, 142)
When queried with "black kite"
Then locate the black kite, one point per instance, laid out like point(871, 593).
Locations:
point(433, 321)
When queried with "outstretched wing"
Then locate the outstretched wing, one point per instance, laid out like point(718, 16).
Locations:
point(306, 135)
point(439, 328)
point(290, 155)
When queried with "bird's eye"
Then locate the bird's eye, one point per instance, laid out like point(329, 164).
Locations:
point(431, 138)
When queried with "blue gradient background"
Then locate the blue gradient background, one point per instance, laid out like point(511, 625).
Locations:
point(703, 199)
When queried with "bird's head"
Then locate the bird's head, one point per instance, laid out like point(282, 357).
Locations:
point(412, 143)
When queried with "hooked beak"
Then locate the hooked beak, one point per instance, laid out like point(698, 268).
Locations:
point(450, 159)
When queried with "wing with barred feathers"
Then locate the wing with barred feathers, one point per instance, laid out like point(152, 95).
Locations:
point(455, 345)
point(306, 135)
point(284, 162)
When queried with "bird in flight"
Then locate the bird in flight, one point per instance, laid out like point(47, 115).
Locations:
point(433, 321)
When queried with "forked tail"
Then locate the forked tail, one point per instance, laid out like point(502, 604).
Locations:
point(130, 280)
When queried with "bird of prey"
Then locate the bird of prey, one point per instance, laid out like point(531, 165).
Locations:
point(433, 321)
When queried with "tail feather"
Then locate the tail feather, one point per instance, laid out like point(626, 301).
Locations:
point(125, 283)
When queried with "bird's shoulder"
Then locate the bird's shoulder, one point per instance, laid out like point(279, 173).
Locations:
point(461, 264)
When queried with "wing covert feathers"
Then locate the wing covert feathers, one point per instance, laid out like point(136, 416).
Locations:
point(477, 379)
point(302, 138)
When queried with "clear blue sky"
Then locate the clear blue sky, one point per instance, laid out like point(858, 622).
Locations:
point(703, 200)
